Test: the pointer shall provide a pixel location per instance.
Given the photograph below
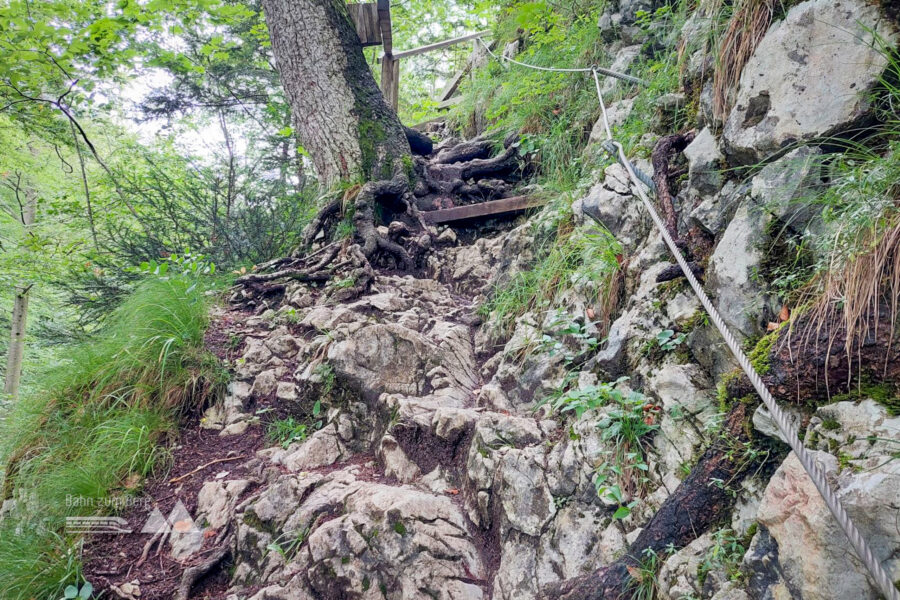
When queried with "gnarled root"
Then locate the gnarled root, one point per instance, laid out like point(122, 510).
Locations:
point(663, 152)
point(194, 574)
point(364, 217)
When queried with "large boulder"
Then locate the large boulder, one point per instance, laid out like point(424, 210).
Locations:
point(807, 78)
point(340, 536)
point(705, 163)
point(733, 266)
point(812, 550)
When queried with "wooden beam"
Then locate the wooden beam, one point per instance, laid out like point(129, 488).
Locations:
point(449, 103)
point(439, 45)
point(390, 81)
point(365, 18)
point(454, 82)
point(484, 209)
point(384, 23)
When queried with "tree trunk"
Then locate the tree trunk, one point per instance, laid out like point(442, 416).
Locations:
point(20, 312)
point(340, 114)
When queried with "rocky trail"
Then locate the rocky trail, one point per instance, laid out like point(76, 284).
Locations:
point(431, 466)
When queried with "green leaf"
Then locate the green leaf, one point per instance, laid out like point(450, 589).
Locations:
point(70, 592)
point(86, 591)
point(622, 512)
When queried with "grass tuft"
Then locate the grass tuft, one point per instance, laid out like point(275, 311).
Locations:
point(749, 23)
point(570, 258)
point(94, 431)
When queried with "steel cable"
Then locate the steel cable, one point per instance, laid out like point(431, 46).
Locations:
point(785, 426)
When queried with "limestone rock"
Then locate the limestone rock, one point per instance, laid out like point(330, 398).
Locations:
point(812, 549)
point(808, 77)
point(704, 163)
point(679, 575)
point(865, 432)
point(786, 187)
point(732, 268)
point(375, 539)
point(620, 213)
point(716, 210)
point(765, 424)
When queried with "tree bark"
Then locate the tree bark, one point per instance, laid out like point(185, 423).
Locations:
point(16, 351)
point(340, 114)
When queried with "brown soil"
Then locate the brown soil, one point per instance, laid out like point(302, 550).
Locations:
point(111, 559)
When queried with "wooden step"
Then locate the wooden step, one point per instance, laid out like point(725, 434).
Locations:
point(481, 210)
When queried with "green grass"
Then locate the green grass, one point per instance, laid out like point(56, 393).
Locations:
point(568, 258)
point(554, 110)
point(95, 428)
point(286, 431)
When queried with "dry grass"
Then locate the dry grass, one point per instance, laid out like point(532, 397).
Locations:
point(852, 297)
point(748, 25)
point(704, 9)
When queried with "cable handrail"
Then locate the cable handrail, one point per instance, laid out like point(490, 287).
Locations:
point(785, 426)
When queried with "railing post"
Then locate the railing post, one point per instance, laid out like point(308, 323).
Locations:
point(390, 81)
point(390, 66)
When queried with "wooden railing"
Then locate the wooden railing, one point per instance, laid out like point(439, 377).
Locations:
point(373, 25)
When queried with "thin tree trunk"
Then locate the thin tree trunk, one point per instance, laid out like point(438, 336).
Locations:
point(339, 113)
point(20, 311)
point(84, 182)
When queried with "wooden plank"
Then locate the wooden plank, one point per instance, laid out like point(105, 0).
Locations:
point(384, 23)
point(439, 45)
point(390, 81)
point(365, 18)
point(483, 209)
point(454, 83)
point(449, 103)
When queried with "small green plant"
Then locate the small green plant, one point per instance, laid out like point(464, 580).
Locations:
point(667, 340)
point(626, 426)
point(288, 544)
point(84, 593)
point(182, 265)
point(581, 400)
point(562, 326)
point(326, 372)
point(644, 583)
point(286, 431)
point(725, 554)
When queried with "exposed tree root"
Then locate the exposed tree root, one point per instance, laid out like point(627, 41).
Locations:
point(663, 152)
point(673, 272)
point(419, 143)
point(388, 229)
point(193, 574)
point(692, 508)
point(329, 212)
point(466, 151)
point(811, 360)
point(369, 196)
point(448, 178)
